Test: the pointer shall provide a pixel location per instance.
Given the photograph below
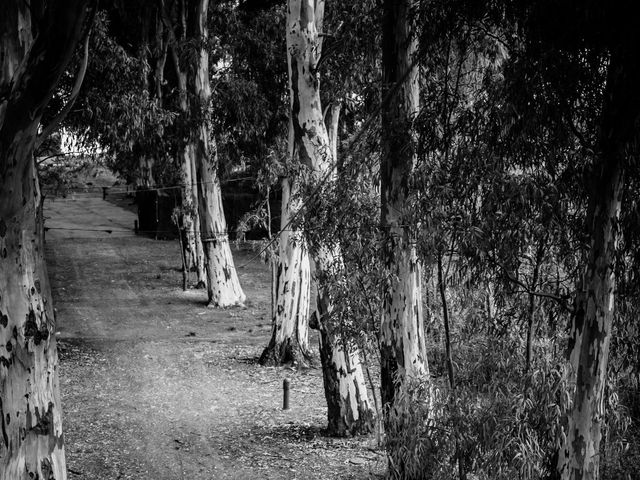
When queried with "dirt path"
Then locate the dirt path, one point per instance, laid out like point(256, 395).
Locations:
point(157, 386)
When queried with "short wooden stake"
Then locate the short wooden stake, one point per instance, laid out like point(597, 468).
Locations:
point(285, 394)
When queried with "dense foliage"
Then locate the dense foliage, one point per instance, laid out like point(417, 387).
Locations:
point(507, 139)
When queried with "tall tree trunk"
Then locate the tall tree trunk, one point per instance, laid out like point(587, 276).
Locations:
point(223, 286)
point(290, 314)
point(579, 455)
point(332, 121)
point(32, 444)
point(349, 410)
point(192, 244)
point(160, 52)
point(198, 256)
point(193, 251)
point(403, 351)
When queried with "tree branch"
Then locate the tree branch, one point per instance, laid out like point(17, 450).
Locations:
point(581, 139)
point(55, 123)
point(525, 289)
point(35, 81)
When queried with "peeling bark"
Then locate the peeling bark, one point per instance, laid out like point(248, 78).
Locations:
point(32, 443)
point(190, 216)
point(292, 283)
point(579, 455)
point(223, 286)
point(403, 351)
point(193, 250)
point(198, 259)
point(349, 410)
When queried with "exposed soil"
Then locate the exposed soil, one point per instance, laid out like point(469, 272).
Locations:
point(155, 385)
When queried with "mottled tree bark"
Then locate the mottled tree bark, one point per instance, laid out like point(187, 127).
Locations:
point(30, 412)
point(403, 351)
point(289, 341)
point(198, 259)
point(223, 286)
point(579, 455)
point(349, 410)
point(174, 18)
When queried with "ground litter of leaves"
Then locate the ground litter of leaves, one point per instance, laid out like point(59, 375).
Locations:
point(155, 385)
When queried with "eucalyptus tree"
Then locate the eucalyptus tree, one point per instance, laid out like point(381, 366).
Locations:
point(173, 34)
point(569, 94)
point(223, 286)
point(349, 409)
point(159, 109)
point(129, 106)
point(38, 41)
point(252, 119)
point(591, 325)
point(120, 107)
point(347, 68)
point(591, 70)
point(403, 350)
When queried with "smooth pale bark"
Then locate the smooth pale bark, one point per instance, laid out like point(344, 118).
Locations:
point(223, 286)
point(193, 250)
point(198, 259)
point(32, 443)
point(579, 455)
point(349, 410)
point(185, 220)
point(332, 121)
point(292, 291)
point(403, 351)
point(191, 193)
point(591, 334)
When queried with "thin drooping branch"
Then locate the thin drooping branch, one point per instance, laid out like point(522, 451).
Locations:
point(528, 291)
point(62, 114)
point(525, 289)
